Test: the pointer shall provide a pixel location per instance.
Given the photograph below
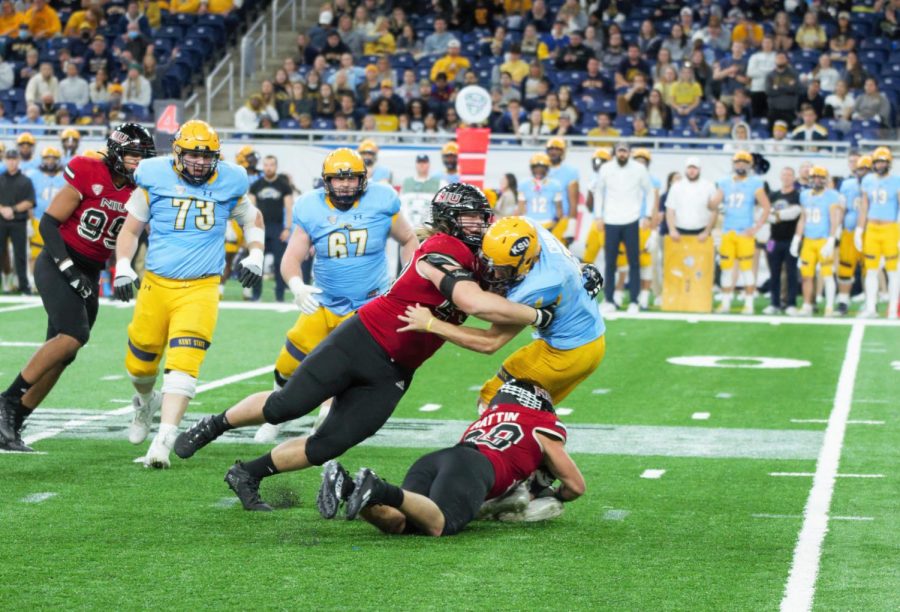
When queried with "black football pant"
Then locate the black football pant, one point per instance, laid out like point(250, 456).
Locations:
point(276, 247)
point(630, 235)
point(780, 257)
point(17, 232)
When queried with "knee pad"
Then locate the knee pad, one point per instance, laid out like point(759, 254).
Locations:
point(316, 453)
point(276, 411)
point(179, 383)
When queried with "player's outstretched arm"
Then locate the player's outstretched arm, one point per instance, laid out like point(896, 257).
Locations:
point(488, 341)
point(563, 467)
point(458, 286)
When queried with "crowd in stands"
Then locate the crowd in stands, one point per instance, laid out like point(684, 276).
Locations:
point(823, 70)
point(68, 62)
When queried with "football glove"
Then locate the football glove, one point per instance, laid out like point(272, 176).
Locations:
point(251, 269)
point(77, 279)
point(304, 295)
point(544, 316)
point(795, 246)
point(125, 281)
point(827, 249)
point(591, 279)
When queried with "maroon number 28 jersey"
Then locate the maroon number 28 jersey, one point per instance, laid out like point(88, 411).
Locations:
point(410, 349)
point(507, 435)
point(92, 228)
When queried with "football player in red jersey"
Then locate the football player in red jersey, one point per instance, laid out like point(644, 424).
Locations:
point(444, 490)
point(366, 365)
point(79, 230)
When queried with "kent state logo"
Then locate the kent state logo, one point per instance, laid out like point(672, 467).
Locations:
point(520, 246)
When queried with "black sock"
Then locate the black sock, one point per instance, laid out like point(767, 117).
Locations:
point(18, 388)
point(261, 467)
point(222, 423)
point(280, 380)
point(387, 494)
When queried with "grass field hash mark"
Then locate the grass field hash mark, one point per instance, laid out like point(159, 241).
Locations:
point(800, 588)
point(36, 498)
point(653, 474)
point(429, 407)
point(700, 416)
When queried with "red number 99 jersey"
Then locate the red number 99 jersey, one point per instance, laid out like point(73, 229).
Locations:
point(92, 228)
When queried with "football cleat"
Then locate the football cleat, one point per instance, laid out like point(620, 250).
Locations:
point(157, 456)
point(267, 433)
point(246, 487)
point(363, 485)
point(843, 309)
point(12, 420)
point(142, 420)
point(335, 489)
point(199, 435)
point(541, 509)
point(633, 308)
point(513, 502)
point(748, 307)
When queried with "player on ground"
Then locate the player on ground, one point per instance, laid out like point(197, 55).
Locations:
point(450, 159)
point(848, 255)
point(48, 180)
point(567, 176)
point(740, 194)
point(186, 200)
point(819, 228)
point(878, 222)
point(444, 490)
point(366, 365)
point(79, 229)
point(348, 222)
point(529, 265)
point(368, 150)
point(70, 138)
point(594, 242)
point(541, 198)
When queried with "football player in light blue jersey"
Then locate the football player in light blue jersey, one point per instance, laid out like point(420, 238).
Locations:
point(70, 138)
point(738, 195)
point(187, 201)
point(879, 222)
point(529, 265)
point(348, 221)
point(368, 150)
point(540, 199)
point(819, 228)
point(567, 176)
point(848, 255)
point(48, 181)
point(28, 161)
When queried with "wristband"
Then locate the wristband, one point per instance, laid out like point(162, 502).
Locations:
point(295, 284)
point(254, 234)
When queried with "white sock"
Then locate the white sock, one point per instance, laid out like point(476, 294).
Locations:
point(644, 298)
point(871, 285)
point(145, 397)
point(618, 294)
point(893, 291)
point(166, 434)
point(843, 298)
point(828, 281)
point(726, 301)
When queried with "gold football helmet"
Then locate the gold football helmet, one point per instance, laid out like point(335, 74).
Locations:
point(509, 250)
point(344, 163)
point(197, 138)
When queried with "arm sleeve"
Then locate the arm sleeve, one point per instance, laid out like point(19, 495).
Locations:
point(138, 205)
point(244, 212)
point(53, 241)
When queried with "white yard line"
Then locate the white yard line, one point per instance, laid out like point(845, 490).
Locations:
point(222, 382)
point(19, 307)
point(810, 475)
point(823, 421)
point(800, 588)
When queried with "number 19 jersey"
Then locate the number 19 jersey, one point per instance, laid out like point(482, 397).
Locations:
point(350, 266)
point(187, 222)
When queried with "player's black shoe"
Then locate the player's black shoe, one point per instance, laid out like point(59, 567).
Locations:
point(12, 419)
point(363, 486)
point(843, 309)
point(199, 435)
point(336, 487)
point(246, 487)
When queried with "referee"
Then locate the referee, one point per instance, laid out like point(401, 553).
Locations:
point(619, 193)
point(16, 199)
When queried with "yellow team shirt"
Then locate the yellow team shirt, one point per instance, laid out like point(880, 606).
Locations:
point(611, 133)
point(184, 6)
point(685, 94)
point(511, 7)
point(385, 45)
point(450, 66)
point(550, 118)
point(387, 123)
point(43, 23)
point(9, 24)
point(750, 36)
point(73, 25)
point(220, 7)
point(518, 70)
